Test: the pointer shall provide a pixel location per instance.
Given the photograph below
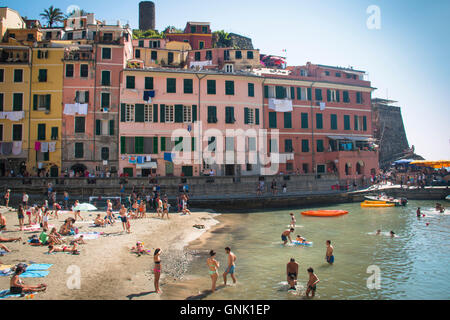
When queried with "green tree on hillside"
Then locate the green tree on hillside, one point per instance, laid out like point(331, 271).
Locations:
point(222, 39)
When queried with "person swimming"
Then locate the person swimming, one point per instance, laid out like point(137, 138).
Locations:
point(378, 232)
point(392, 234)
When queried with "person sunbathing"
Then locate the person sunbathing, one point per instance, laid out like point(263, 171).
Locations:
point(80, 240)
point(9, 239)
point(54, 237)
point(17, 286)
point(3, 247)
point(99, 222)
point(73, 250)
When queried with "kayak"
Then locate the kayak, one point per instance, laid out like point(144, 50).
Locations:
point(324, 213)
point(375, 204)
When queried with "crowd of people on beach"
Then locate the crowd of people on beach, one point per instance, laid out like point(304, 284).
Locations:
point(68, 238)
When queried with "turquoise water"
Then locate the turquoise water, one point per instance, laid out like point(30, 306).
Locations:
point(415, 265)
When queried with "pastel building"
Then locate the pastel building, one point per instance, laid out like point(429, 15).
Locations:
point(78, 108)
point(197, 34)
point(15, 70)
point(323, 114)
point(10, 19)
point(225, 59)
point(156, 102)
point(158, 53)
point(46, 109)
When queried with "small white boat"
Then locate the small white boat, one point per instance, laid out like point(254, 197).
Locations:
point(397, 202)
point(447, 197)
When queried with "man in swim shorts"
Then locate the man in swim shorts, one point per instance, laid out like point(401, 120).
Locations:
point(287, 234)
point(292, 271)
point(231, 266)
point(329, 254)
point(313, 280)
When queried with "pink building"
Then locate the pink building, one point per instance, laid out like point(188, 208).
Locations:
point(324, 115)
point(156, 102)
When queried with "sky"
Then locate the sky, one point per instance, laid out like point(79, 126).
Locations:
point(407, 58)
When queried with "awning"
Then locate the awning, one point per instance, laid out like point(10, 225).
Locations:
point(351, 138)
point(147, 165)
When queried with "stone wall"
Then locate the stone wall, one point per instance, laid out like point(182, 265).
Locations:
point(241, 42)
point(390, 131)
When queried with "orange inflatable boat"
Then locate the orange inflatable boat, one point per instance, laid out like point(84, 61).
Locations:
point(324, 213)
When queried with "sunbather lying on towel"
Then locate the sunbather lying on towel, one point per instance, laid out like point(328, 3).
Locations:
point(4, 248)
point(9, 239)
point(17, 286)
point(72, 250)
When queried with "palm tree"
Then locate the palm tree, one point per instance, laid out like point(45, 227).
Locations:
point(222, 39)
point(52, 15)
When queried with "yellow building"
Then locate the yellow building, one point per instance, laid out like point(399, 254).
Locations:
point(46, 109)
point(10, 19)
point(15, 67)
point(174, 54)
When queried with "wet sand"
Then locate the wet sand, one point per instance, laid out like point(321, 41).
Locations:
point(109, 271)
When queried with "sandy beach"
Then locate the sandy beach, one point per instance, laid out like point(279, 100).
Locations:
point(109, 271)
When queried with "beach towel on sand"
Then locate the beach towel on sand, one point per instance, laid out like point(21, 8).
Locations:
point(89, 235)
point(38, 267)
point(28, 274)
point(4, 294)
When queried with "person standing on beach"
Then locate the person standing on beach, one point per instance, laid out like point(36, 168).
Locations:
point(213, 265)
point(20, 216)
point(7, 194)
point(292, 272)
point(124, 219)
point(157, 269)
point(231, 266)
point(66, 200)
point(313, 280)
point(165, 208)
point(25, 200)
point(329, 257)
point(287, 234)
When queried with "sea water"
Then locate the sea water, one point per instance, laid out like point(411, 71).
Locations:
point(413, 265)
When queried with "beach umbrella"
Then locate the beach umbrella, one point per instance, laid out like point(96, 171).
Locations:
point(85, 207)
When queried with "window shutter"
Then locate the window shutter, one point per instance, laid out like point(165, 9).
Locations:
point(35, 101)
point(319, 121)
point(163, 143)
point(266, 92)
point(309, 94)
point(149, 83)
point(364, 123)
point(288, 120)
point(139, 145)
point(256, 116)
point(245, 115)
point(272, 120)
point(292, 93)
point(48, 99)
point(54, 133)
point(251, 90)
point(328, 95)
point(338, 98)
point(98, 127)
point(155, 113)
point(162, 108)
point(194, 113)
point(155, 145)
point(139, 113)
point(86, 96)
point(122, 112)
point(304, 121)
point(178, 113)
point(333, 122)
point(299, 93)
point(122, 145)
point(111, 127)
point(193, 144)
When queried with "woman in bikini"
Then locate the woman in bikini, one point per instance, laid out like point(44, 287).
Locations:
point(157, 268)
point(17, 286)
point(213, 264)
point(73, 250)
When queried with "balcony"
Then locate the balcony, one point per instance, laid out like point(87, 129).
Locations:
point(79, 55)
point(14, 56)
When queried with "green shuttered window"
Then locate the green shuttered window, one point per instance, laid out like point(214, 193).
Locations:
point(272, 120)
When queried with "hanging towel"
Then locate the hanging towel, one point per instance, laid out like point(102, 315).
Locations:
point(146, 95)
point(322, 106)
point(44, 147)
point(51, 146)
point(69, 109)
point(82, 108)
point(132, 160)
point(3, 115)
point(140, 159)
point(148, 158)
point(7, 148)
point(168, 156)
point(17, 148)
point(15, 115)
point(37, 146)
